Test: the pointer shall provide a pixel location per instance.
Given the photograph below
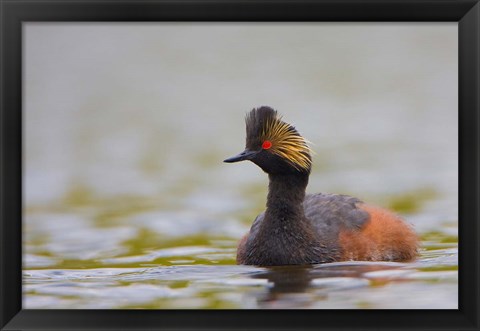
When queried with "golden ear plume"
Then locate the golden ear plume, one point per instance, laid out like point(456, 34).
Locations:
point(287, 143)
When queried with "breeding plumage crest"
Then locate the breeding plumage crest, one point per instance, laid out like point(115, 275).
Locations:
point(265, 125)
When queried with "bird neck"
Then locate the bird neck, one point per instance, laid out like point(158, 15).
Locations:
point(285, 197)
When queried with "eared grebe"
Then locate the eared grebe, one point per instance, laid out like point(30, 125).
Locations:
point(314, 228)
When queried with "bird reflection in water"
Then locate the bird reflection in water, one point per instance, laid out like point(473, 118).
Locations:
point(302, 286)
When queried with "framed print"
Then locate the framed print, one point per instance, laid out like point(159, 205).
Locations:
point(357, 203)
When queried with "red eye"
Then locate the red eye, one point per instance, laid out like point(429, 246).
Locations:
point(266, 144)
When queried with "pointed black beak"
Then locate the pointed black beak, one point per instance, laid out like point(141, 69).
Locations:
point(245, 155)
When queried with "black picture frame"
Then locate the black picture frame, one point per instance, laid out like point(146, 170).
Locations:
point(14, 13)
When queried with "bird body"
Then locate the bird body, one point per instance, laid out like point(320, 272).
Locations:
point(316, 228)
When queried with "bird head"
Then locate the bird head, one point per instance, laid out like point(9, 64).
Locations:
point(274, 145)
